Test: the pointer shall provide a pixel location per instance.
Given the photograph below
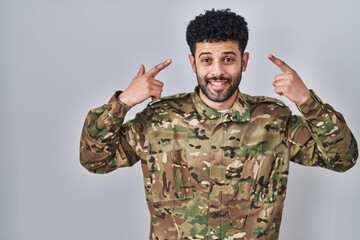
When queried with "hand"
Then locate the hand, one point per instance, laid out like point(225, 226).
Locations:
point(288, 83)
point(144, 85)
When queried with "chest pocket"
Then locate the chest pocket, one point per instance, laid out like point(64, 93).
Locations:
point(261, 177)
point(168, 170)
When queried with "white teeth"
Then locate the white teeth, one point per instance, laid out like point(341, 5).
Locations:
point(218, 84)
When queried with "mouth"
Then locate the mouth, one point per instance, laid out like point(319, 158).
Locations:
point(218, 84)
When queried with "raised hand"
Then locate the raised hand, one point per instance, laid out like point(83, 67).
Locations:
point(288, 83)
point(144, 85)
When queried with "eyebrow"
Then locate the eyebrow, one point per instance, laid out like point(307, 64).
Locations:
point(229, 52)
point(224, 53)
point(204, 53)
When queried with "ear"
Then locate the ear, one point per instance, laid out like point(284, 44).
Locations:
point(244, 61)
point(192, 62)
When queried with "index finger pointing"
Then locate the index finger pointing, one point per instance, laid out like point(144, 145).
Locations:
point(281, 64)
point(158, 68)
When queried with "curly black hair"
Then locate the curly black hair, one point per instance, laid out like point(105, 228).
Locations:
point(217, 26)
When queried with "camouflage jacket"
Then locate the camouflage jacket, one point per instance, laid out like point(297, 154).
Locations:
point(209, 175)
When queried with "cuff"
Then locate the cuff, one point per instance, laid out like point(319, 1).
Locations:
point(311, 106)
point(117, 108)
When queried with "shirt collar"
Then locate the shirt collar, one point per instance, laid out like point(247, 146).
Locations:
point(239, 112)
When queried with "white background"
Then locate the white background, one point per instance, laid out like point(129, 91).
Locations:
point(59, 59)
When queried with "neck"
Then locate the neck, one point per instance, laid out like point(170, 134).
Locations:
point(219, 105)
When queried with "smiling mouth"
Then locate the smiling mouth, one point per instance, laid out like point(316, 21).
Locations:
point(217, 83)
point(217, 79)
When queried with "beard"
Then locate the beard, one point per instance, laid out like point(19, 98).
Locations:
point(223, 95)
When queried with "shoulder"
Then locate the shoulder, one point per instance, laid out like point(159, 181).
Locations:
point(181, 102)
point(260, 105)
point(264, 100)
point(173, 99)
point(169, 107)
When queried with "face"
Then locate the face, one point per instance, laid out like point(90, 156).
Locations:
point(218, 67)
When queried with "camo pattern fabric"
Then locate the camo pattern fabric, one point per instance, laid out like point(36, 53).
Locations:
point(209, 175)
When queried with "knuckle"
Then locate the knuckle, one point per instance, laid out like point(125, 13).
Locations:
point(147, 84)
point(292, 78)
point(156, 68)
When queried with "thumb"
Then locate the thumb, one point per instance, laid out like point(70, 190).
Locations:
point(141, 71)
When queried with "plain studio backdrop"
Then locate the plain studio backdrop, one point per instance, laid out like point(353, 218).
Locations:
point(59, 59)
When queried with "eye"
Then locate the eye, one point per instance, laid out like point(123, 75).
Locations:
point(206, 60)
point(228, 59)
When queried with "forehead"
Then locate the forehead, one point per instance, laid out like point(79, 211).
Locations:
point(217, 47)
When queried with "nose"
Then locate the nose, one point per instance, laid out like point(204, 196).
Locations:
point(218, 69)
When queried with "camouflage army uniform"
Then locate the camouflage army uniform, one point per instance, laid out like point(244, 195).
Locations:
point(209, 175)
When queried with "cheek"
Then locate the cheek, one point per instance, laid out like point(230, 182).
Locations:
point(235, 74)
point(201, 72)
point(235, 71)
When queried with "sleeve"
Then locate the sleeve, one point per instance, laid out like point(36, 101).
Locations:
point(321, 137)
point(105, 143)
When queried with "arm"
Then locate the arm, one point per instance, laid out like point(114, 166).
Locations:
point(321, 137)
point(103, 145)
point(106, 143)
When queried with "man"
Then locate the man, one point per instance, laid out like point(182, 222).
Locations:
point(215, 161)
